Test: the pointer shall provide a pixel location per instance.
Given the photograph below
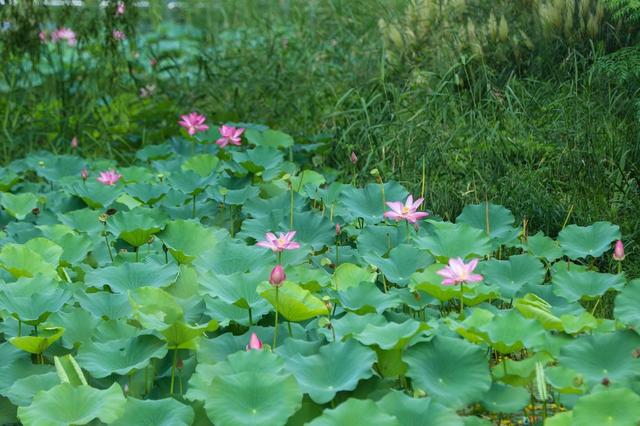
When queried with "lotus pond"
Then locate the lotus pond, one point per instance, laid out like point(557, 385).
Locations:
point(150, 293)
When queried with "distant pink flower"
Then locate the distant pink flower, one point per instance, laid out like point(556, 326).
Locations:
point(282, 242)
point(354, 157)
point(120, 8)
point(153, 62)
point(118, 35)
point(110, 177)
point(338, 229)
point(84, 174)
point(618, 251)
point(64, 34)
point(42, 35)
point(194, 123)
point(74, 143)
point(254, 342)
point(408, 211)
point(458, 272)
point(230, 135)
point(277, 276)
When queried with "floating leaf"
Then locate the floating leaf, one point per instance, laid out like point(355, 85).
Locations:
point(349, 275)
point(449, 240)
point(418, 411)
point(496, 221)
point(38, 344)
point(510, 275)
point(294, 302)
point(161, 412)
point(576, 285)
point(130, 276)
point(620, 407)
point(583, 241)
point(353, 412)
point(18, 205)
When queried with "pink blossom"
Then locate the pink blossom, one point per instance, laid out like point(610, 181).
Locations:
point(408, 211)
point(354, 157)
point(282, 242)
point(64, 34)
point(118, 35)
point(74, 143)
point(120, 8)
point(254, 342)
point(618, 251)
point(42, 35)
point(84, 174)
point(194, 123)
point(230, 135)
point(153, 62)
point(338, 229)
point(458, 272)
point(277, 276)
point(110, 177)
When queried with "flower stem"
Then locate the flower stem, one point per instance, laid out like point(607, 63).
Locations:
point(289, 326)
point(137, 250)
point(291, 209)
point(193, 209)
point(408, 231)
point(275, 332)
point(173, 370)
point(250, 318)
point(106, 239)
point(462, 298)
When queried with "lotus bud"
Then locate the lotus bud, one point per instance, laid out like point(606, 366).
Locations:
point(254, 342)
point(337, 229)
point(74, 143)
point(277, 276)
point(354, 157)
point(618, 251)
point(179, 363)
point(84, 174)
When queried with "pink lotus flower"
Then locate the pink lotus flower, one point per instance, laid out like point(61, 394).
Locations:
point(120, 8)
point(458, 272)
point(42, 35)
point(194, 123)
point(282, 242)
point(407, 212)
point(84, 174)
point(254, 342)
point(354, 157)
point(277, 276)
point(74, 142)
point(64, 34)
point(110, 177)
point(118, 35)
point(338, 229)
point(230, 135)
point(618, 251)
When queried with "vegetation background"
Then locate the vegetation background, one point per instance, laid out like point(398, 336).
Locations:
point(532, 104)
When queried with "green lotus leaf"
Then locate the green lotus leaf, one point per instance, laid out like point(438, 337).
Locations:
point(519, 372)
point(237, 288)
point(496, 221)
point(68, 370)
point(18, 205)
point(354, 412)
point(449, 240)
point(380, 239)
point(418, 411)
point(337, 367)
point(130, 276)
point(154, 308)
point(574, 324)
point(307, 177)
point(79, 325)
point(65, 404)
point(189, 182)
point(392, 335)
point(308, 277)
point(452, 371)
point(147, 193)
point(505, 398)
point(161, 412)
point(403, 261)
point(74, 246)
point(83, 220)
point(366, 297)
point(228, 257)
point(135, 227)
point(626, 305)
point(560, 419)
point(202, 164)
point(601, 356)
point(120, 357)
point(7, 179)
point(261, 160)
point(532, 306)
point(181, 335)
point(21, 261)
point(576, 285)
point(94, 194)
point(269, 138)
point(235, 196)
point(105, 305)
point(348, 275)
point(16, 366)
point(620, 407)
point(312, 229)
point(38, 344)
point(294, 302)
point(543, 247)
point(154, 152)
point(351, 324)
point(250, 387)
point(48, 250)
point(226, 313)
point(187, 239)
point(583, 241)
point(565, 380)
point(368, 203)
point(476, 421)
point(510, 275)
point(22, 391)
point(32, 300)
point(509, 332)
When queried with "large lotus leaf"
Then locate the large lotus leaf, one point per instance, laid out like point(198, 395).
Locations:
point(262, 160)
point(181, 335)
point(114, 330)
point(22, 391)
point(532, 306)
point(48, 250)
point(147, 193)
point(120, 357)
point(583, 241)
point(54, 168)
point(619, 407)
point(543, 247)
point(307, 178)
point(189, 182)
point(573, 324)
point(279, 204)
point(237, 288)
point(294, 302)
point(130, 276)
point(313, 229)
point(519, 372)
point(250, 387)
point(65, 404)
point(7, 179)
point(576, 285)
point(430, 282)
point(17, 365)
point(505, 398)
point(403, 261)
point(366, 297)
point(202, 164)
point(74, 246)
point(368, 203)
point(351, 324)
point(269, 138)
point(188, 239)
point(337, 367)
point(496, 221)
point(348, 275)
point(600, 356)
point(83, 220)
point(38, 344)
point(356, 412)
point(627, 303)
point(69, 371)
point(452, 371)
point(31, 300)
point(308, 277)
point(105, 305)
point(510, 275)
point(94, 194)
point(161, 412)
point(226, 313)
point(79, 325)
point(449, 240)
point(135, 226)
point(418, 411)
point(380, 239)
point(229, 256)
point(154, 308)
point(509, 332)
point(564, 380)
point(21, 261)
point(18, 205)
point(391, 335)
